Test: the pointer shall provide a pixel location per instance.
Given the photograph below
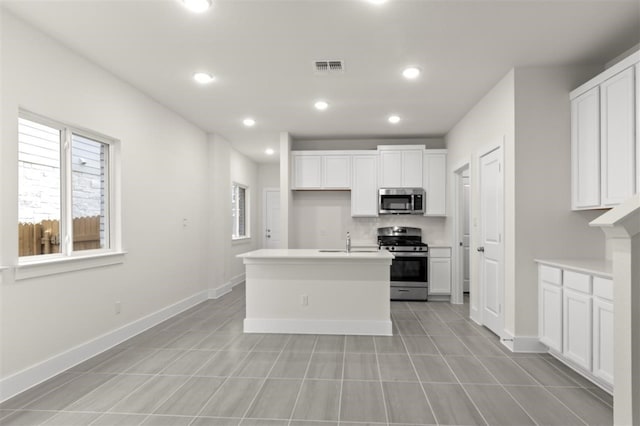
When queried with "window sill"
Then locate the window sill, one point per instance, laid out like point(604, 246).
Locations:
point(62, 265)
point(241, 240)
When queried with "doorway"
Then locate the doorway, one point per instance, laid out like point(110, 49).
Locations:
point(271, 218)
point(490, 248)
point(462, 237)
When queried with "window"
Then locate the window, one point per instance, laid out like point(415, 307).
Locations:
point(239, 211)
point(64, 190)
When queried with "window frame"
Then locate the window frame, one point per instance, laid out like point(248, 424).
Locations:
point(234, 218)
point(57, 261)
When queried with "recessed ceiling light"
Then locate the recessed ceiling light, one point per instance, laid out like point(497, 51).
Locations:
point(411, 72)
point(197, 6)
point(394, 119)
point(269, 151)
point(249, 122)
point(203, 77)
point(377, 1)
point(321, 105)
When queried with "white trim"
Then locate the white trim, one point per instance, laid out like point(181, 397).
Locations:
point(225, 288)
point(522, 344)
point(63, 264)
point(38, 373)
point(301, 326)
point(629, 61)
point(457, 286)
point(264, 211)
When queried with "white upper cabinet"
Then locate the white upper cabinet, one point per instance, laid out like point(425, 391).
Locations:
point(400, 166)
point(618, 137)
point(585, 150)
point(605, 137)
point(321, 170)
point(364, 186)
point(435, 182)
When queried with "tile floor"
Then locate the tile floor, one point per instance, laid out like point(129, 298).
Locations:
point(198, 368)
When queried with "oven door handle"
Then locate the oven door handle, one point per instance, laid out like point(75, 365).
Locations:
point(408, 254)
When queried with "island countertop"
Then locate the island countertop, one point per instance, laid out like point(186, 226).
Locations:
point(319, 254)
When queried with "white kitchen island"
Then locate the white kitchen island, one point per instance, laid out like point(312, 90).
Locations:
point(318, 292)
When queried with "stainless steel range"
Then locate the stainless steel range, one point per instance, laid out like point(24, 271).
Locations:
point(409, 273)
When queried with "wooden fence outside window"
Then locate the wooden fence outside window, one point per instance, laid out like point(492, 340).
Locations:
point(44, 237)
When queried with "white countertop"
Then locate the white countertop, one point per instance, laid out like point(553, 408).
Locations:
point(599, 267)
point(315, 254)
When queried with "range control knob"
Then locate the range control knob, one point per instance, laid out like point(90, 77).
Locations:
point(415, 248)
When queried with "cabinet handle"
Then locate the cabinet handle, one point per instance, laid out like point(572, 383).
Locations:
point(480, 249)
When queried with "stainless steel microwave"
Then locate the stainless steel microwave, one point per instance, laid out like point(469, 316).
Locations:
point(401, 201)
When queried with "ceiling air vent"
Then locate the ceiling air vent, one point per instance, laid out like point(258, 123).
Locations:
point(328, 67)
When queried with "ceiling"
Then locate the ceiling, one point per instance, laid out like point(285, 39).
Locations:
point(262, 54)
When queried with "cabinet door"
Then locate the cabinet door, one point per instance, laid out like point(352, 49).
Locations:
point(576, 316)
point(307, 171)
point(618, 138)
point(435, 185)
point(412, 169)
point(364, 186)
point(550, 315)
point(603, 343)
point(638, 128)
point(585, 150)
point(439, 275)
point(336, 171)
point(390, 169)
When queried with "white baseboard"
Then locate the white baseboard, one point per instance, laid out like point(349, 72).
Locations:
point(300, 326)
point(38, 373)
point(225, 288)
point(527, 344)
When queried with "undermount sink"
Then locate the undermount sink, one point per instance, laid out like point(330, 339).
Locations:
point(344, 251)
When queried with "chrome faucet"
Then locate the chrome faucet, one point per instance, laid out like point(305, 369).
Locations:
point(348, 243)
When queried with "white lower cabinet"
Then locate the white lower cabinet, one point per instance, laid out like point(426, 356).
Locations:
point(550, 317)
point(440, 271)
point(575, 320)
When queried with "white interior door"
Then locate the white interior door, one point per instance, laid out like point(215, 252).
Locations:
point(466, 232)
point(491, 240)
point(271, 218)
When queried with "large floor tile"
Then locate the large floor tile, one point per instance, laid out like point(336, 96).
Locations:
point(330, 344)
point(70, 419)
point(539, 369)
point(190, 398)
point(506, 371)
point(155, 362)
point(410, 328)
point(188, 363)
point(586, 405)
point(301, 343)
point(361, 366)
point(433, 368)
point(450, 345)
point(210, 421)
point(542, 406)
point(480, 345)
point(291, 365)
point(396, 367)
point(468, 369)
point(360, 344)
point(110, 393)
point(275, 400)
point(325, 365)
point(156, 420)
point(27, 418)
point(497, 406)
point(406, 403)
point(389, 344)
point(272, 343)
point(256, 364)
point(70, 392)
point(318, 400)
point(422, 345)
point(222, 364)
point(147, 397)
point(233, 398)
point(362, 402)
point(119, 420)
point(30, 395)
point(451, 405)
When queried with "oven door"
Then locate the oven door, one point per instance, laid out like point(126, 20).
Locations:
point(409, 269)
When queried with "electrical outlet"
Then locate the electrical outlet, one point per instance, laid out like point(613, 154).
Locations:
point(118, 307)
point(305, 300)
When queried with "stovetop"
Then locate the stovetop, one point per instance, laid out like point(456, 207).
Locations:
point(400, 238)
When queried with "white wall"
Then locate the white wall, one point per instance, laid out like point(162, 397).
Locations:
point(529, 110)
point(164, 170)
point(489, 123)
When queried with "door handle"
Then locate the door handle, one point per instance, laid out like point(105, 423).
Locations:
point(480, 249)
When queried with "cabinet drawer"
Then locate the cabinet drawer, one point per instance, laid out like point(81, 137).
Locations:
point(551, 275)
point(577, 281)
point(439, 252)
point(603, 288)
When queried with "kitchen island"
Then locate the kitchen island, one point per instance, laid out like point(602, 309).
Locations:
point(318, 292)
